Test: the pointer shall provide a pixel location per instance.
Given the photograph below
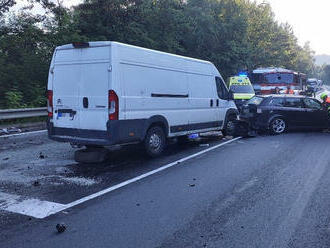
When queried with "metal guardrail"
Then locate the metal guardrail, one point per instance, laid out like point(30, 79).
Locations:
point(7, 114)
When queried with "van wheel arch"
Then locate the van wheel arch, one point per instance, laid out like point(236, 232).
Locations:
point(157, 120)
point(230, 114)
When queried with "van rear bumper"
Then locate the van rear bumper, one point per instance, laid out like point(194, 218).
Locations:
point(118, 132)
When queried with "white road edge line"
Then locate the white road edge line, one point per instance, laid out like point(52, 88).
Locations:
point(11, 204)
point(19, 134)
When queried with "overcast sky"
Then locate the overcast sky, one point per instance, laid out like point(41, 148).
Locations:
point(309, 19)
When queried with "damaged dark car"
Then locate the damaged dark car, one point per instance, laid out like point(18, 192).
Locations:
point(280, 113)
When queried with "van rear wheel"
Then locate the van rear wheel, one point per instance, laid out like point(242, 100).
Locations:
point(155, 141)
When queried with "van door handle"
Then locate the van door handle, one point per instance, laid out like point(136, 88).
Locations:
point(85, 102)
point(217, 102)
point(211, 102)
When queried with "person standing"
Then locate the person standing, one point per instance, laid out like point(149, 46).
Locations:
point(289, 90)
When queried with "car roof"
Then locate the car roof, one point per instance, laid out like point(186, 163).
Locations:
point(286, 95)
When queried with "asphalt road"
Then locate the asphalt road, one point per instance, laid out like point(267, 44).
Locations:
point(269, 191)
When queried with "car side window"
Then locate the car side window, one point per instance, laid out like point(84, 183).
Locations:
point(312, 104)
point(277, 102)
point(293, 103)
point(221, 89)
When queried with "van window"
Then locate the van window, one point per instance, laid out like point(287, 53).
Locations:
point(221, 89)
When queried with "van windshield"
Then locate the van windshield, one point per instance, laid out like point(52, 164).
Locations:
point(236, 88)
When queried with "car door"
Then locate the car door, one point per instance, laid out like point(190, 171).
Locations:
point(294, 112)
point(315, 115)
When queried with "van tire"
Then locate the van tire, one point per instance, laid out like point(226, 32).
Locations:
point(155, 141)
point(89, 156)
point(229, 127)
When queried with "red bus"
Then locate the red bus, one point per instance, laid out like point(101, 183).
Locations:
point(266, 80)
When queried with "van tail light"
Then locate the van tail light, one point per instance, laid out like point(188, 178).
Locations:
point(50, 103)
point(113, 105)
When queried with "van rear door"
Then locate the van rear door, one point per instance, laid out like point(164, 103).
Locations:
point(80, 88)
point(66, 95)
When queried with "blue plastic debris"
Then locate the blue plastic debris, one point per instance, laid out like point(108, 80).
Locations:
point(193, 136)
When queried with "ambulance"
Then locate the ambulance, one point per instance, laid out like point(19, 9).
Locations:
point(241, 88)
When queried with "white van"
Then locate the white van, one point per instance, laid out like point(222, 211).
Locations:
point(108, 93)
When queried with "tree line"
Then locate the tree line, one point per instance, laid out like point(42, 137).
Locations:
point(233, 34)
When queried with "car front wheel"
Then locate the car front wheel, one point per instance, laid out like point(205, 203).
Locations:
point(277, 126)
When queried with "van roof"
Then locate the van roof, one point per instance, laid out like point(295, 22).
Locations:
point(111, 43)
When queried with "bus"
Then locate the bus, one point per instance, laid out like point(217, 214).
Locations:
point(266, 80)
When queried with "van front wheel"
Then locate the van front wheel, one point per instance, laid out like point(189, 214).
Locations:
point(155, 141)
point(229, 127)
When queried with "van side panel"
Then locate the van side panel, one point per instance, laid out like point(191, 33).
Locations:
point(178, 88)
point(154, 84)
point(202, 95)
point(149, 91)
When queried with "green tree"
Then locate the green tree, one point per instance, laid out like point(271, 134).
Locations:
point(233, 34)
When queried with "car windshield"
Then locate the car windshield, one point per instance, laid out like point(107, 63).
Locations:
point(274, 78)
point(312, 83)
point(236, 88)
point(255, 100)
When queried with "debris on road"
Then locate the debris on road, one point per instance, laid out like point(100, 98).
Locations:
point(4, 131)
point(36, 183)
point(10, 130)
point(192, 185)
point(193, 136)
point(204, 145)
point(60, 228)
point(41, 155)
point(5, 159)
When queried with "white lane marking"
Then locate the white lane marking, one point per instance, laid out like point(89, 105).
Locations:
point(135, 179)
point(30, 207)
point(19, 134)
point(42, 209)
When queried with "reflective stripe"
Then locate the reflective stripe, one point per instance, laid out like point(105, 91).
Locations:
point(243, 96)
point(280, 87)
